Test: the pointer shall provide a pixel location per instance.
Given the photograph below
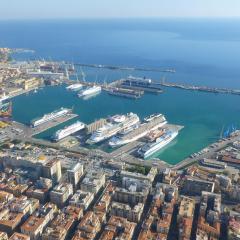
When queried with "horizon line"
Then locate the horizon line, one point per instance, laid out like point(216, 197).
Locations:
point(124, 18)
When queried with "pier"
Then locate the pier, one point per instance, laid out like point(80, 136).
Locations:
point(201, 88)
point(127, 68)
point(27, 131)
point(118, 86)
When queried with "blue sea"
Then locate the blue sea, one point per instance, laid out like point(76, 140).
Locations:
point(203, 52)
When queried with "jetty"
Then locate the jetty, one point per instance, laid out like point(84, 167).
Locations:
point(201, 88)
point(127, 68)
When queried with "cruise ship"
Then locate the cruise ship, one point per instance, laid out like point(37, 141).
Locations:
point(114, 125)
point(3, 98)
point(150, 148)
point(152, 117)
point(90, 91)
point(50, 116)
point(74, 87)
point(144, 129)
point(67, 131)
point(153, 135)
point(145, 84)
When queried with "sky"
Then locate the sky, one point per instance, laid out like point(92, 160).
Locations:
point(46, 9)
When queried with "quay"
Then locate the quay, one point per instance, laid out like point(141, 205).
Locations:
point(201, 88)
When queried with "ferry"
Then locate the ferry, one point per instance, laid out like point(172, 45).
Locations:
point(50, 116)
point(74, 87)
point(113, 126)
point(90, 91)
point(67, 131)
point(150, 148)
point(140, 132)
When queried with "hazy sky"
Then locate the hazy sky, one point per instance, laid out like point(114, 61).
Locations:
point(16, 9)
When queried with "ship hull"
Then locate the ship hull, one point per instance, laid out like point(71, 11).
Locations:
point(157, 147)
point(90, 92)
point(61, 134)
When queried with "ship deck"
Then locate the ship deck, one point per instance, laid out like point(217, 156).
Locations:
point(142, 128)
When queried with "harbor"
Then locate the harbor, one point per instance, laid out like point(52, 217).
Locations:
point(42, 75)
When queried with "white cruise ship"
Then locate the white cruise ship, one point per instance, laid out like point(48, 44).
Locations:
point(114, 125)
point(74, 87)
point(150, 148)
point(90, 91)
point(152, 117)
point(3, 98)
point(50, 116)
point(67, 131)
point(141, 131)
